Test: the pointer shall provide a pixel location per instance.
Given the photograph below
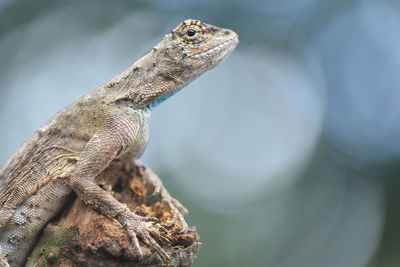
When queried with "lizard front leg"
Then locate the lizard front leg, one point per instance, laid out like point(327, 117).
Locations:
point(95, 157)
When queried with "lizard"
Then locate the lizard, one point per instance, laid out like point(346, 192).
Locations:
point(111, 122)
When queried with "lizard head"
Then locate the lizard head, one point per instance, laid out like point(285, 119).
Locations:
point(194, 47)
point(185, 53)
point(200, 46)
point(189, 50)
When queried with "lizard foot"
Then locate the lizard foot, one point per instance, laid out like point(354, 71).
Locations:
point(176, 207)
point(136, 227)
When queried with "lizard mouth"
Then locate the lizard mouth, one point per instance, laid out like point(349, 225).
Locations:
point(219, 51)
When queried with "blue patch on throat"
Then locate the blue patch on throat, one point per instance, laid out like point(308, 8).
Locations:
point(161, 99)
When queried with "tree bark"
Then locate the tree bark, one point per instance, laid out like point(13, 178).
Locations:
point(81, 236)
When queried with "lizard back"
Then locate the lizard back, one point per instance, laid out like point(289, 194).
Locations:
point(33, 184)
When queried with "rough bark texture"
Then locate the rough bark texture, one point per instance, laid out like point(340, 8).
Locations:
point(81, 236)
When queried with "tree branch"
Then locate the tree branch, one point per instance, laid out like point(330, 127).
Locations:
point(81, 236)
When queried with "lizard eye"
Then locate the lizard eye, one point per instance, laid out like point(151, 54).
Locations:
point(191, 32)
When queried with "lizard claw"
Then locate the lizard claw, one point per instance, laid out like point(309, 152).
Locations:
point(179, 206)
point(148, 219)
point(159, 190)
point(176, 207)
point(136, 227)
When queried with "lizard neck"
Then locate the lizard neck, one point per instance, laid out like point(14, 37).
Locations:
point(161, 99)
point(148, 82)
point(180, 57)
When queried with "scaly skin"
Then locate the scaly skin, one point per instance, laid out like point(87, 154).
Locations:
point(80, 141)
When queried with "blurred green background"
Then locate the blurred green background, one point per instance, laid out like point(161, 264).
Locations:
point(286, 155)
